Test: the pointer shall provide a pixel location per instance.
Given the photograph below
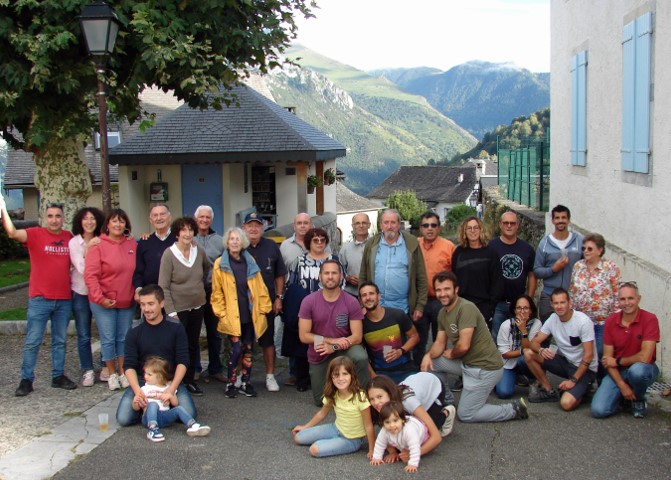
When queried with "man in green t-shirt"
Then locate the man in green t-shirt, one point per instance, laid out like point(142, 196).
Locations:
point(472, 354)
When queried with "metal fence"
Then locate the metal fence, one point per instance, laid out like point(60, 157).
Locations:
point(524, 172)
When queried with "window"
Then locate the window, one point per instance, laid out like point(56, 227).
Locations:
point(636, 59)
point(579, 108)
point(113, 139)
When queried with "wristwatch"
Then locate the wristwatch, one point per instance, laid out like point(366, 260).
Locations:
point(525, 335)
point(281, 297)
point(335, 347)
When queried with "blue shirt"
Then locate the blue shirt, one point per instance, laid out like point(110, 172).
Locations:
point(391, 273)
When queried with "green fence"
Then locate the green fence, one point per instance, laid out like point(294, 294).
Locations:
point(524, 172)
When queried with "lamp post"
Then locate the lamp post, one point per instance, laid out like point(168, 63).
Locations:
point(100, 26)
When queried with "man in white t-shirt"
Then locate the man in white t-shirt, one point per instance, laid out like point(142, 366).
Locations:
point(574, 357)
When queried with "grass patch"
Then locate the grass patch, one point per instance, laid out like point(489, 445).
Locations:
point(14, 271)
point(13, 314)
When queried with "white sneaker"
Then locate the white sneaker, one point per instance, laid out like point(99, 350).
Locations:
point(123, 381)
point(198, 430)
point(88, 379)
point(104, 374)
point(449, 421)
point(113, 382)
point(271, 383)
point(238, 381)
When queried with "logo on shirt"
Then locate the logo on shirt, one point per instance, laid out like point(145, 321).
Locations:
point(342, 320)
point(454, 328)
point(512, 266)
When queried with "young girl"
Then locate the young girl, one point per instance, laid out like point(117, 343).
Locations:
point(421, 395)
point(352, 410)
point(156, 413)
point(402, 432)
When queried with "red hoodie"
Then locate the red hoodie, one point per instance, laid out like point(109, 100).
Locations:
point(109, 271)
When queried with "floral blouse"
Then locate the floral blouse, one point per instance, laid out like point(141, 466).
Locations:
point(595, 293)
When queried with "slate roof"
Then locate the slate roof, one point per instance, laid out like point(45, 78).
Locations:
point(256, 130)
point(348, 201)
point(430, 183)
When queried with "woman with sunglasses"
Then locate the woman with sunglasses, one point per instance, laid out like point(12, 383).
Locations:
point(303, 280)
point(515, 335)
point(594, 287)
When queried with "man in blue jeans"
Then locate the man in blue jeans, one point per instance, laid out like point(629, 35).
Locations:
point(154, 336)
point(50, 297)
point(629, 344)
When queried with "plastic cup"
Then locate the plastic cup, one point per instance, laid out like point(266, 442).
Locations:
point(103, 421)
point(554, 348)
point(386, 349)
point(318, 339)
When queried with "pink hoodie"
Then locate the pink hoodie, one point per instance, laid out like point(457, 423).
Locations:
point(109, 271)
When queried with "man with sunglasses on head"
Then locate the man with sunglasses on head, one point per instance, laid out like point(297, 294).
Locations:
point(629, 348)
point(50, 297)
point(517, 263)
point(437, 252)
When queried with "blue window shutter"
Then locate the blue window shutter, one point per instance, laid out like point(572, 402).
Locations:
point(642, 115)
point(628, 90)
point(579, 108)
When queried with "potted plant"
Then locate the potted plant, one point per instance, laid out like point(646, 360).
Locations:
point(329, 177)
point(313, 182)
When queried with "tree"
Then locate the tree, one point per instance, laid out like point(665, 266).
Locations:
point(408, 205)
point(455, 216)
point(48, 86)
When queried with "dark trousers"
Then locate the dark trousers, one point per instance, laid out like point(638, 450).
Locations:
point(192, 320)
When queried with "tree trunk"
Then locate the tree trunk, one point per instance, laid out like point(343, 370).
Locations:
point(62, 176)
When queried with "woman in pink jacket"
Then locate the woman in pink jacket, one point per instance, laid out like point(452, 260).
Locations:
point(109, 278)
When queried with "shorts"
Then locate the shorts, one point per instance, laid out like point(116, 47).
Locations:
point(561, 367)
point(268, 337)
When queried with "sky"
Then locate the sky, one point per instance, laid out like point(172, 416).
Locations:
point(371, 34)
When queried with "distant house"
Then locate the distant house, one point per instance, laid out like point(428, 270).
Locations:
point(349, 204)
point(442, 188)
point(610, 142)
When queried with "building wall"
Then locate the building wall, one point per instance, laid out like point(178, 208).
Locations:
point(628, 209)
point(235, 198)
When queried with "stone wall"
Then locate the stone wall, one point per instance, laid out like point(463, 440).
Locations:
point(532, 222)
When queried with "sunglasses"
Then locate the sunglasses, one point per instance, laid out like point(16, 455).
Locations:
point(55, 205)
point(509, 224)
point(429, 225)
point(319, 240)
point(629, 283)
point(587, 249)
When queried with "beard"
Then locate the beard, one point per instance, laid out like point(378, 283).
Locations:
point(389, 235)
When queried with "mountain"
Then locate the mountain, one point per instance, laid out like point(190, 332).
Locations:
point(477, 95)
point(382, 126)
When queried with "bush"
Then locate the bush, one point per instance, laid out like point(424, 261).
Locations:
point(454, 218)
point(10, 248)
point(408, 205)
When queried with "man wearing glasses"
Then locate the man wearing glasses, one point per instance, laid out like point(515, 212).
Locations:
point(437, 252)
point(517, 262)
point(50, 297)
point(351, 253)
point(629, 347)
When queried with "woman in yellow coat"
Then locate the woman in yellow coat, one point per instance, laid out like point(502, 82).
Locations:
point(240, 300)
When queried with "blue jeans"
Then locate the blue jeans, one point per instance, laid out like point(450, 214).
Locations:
point(607, 398)
point(428, 320)
point(82, 313)
point(113, 324)
point(125, 415)
point(501, 314)
point(40, 311)
point(506, 386)
point(328, 440)
point(163, 418)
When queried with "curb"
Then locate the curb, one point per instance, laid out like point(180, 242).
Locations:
point(11, 288)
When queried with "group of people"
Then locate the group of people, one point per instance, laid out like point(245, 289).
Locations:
point(356, 325)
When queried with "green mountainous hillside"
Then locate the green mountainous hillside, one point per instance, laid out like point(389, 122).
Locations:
point(477, 95)
point(382, 126)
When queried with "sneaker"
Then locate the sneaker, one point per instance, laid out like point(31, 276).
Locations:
point(271, 383)
point(522, 381)
point(521, 409)
point(248, 390)
point(194, 389)
point(88, 379)
point(231, 391)
point(449, 420)
point(290, 382)
point(238, 381)
point(639, 409)
point(458, 385)
point(198, 430)
point(154, 434)
point(24, 388)
point(63, 382)
point(123, 381)
point(543, 396)
point(113, 383)
point(104, 374)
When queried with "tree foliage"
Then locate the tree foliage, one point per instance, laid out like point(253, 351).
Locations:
point(408, 205)
point(48, 86)
point(455, 216)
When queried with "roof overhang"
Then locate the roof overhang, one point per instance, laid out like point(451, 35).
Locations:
point(225, 157)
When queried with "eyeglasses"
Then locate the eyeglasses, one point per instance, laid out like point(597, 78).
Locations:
point(509, 224)
point(361, 224)
point(522, 309)
point(55, 205)
point(429, 225)
point(473, 229)
point(319, 240)
point(629, 283)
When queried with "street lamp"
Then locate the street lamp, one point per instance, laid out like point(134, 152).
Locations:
point(100, 26)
